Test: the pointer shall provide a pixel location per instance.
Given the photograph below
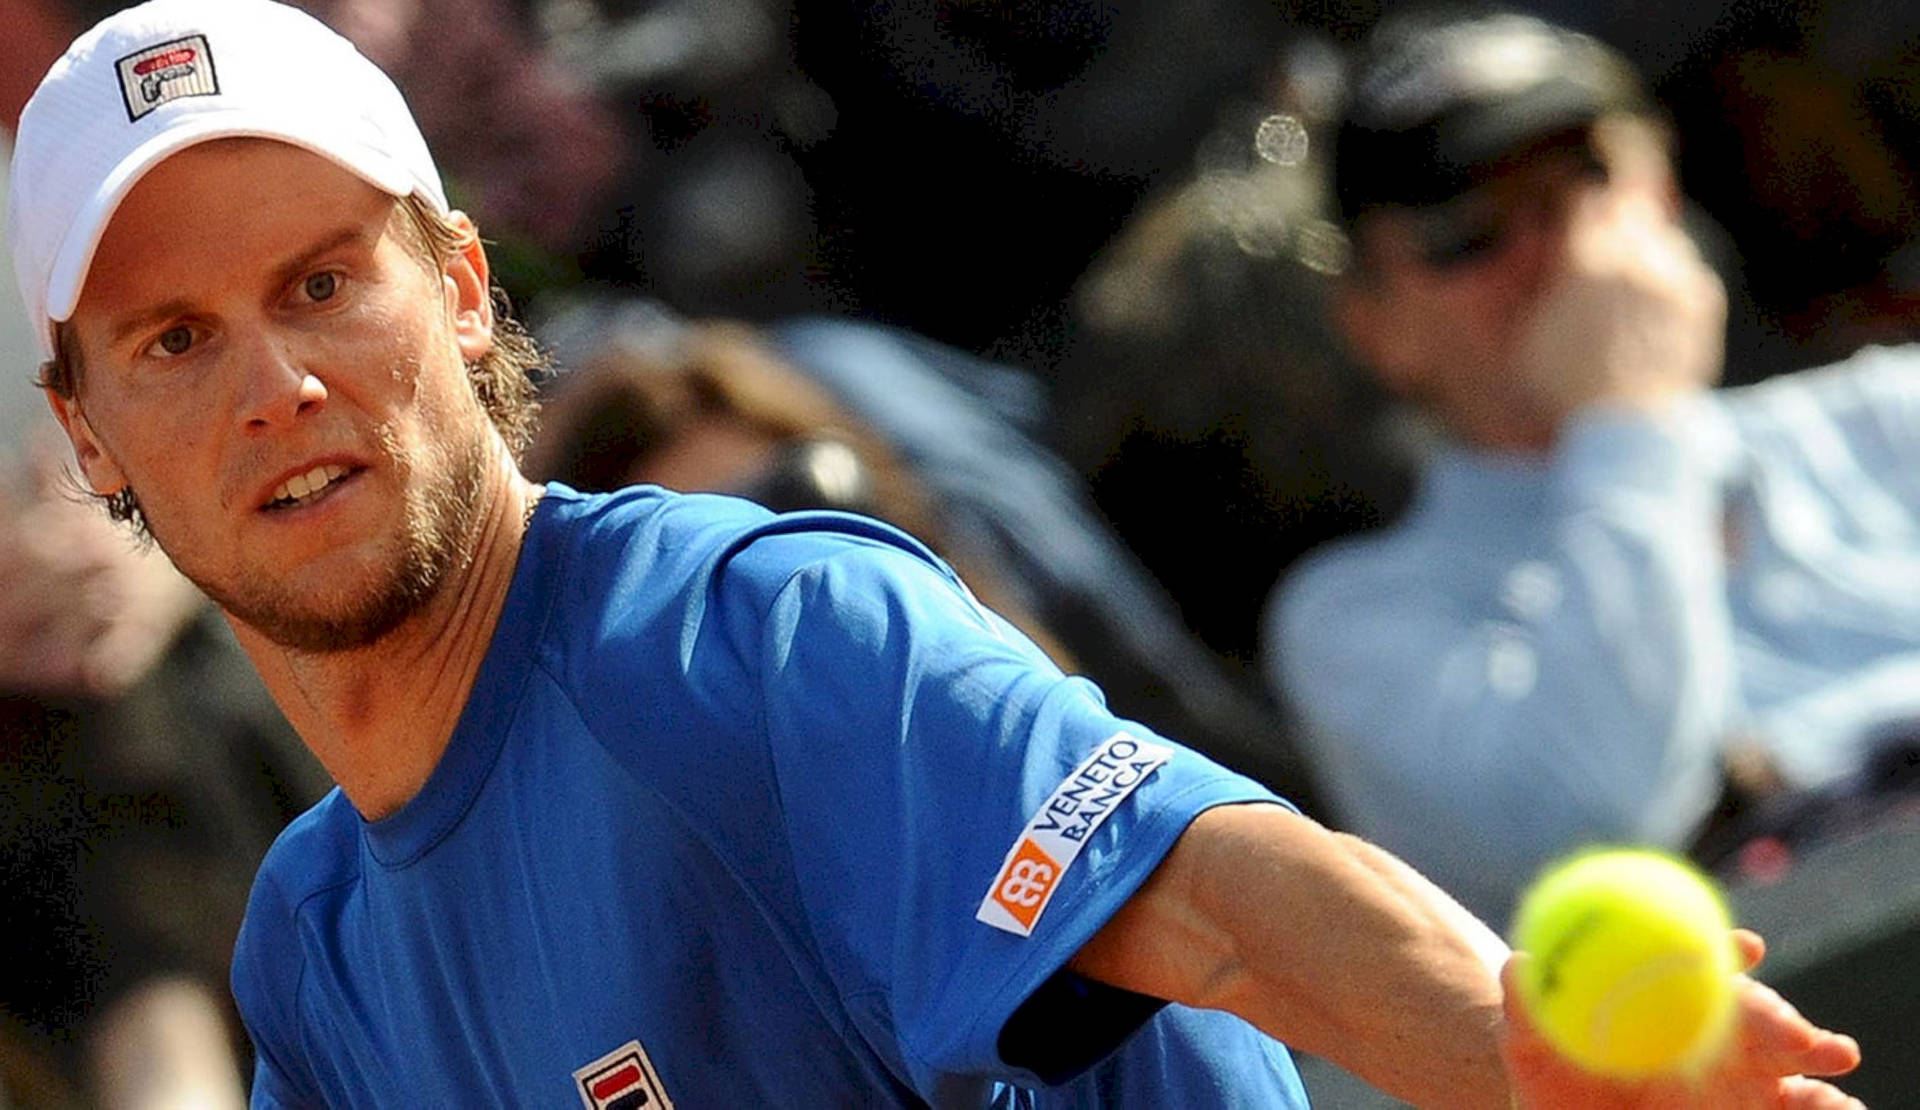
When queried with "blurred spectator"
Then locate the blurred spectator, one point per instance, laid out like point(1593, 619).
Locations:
point(1204, 394)
point(1618, 600)
point(143, 772)
point(827, 413)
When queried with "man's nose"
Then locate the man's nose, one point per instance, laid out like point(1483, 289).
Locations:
point(277, 383)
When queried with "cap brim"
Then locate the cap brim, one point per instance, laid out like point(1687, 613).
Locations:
point(1485, 133)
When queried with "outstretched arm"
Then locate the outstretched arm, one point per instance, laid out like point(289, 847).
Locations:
point(1324, 942)
point(1337, 948)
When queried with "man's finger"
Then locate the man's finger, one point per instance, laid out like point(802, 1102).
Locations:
point(1800, 1093)
point(1788, 1043)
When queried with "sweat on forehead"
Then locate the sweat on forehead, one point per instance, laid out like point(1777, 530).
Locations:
point(157, 78)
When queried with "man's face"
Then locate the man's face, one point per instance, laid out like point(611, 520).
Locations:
point(278, 375)
point(1446, 291)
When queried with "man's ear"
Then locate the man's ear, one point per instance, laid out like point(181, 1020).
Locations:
point(102, 473)
point(470, 291)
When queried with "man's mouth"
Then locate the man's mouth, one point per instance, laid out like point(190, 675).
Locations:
point(303, 488)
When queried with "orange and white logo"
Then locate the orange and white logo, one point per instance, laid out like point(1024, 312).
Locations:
point(1026, 882)
point(1055, 835)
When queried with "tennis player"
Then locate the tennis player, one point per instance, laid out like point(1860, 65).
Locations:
point(651, 800)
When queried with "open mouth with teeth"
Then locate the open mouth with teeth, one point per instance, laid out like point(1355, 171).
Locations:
point(302, 489)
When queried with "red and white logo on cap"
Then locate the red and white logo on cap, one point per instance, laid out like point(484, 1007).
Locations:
point(169, 71)
point(623, 1079)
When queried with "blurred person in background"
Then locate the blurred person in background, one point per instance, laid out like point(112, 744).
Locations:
point(143, 772)
point(1622, 606)
point(1204, 395)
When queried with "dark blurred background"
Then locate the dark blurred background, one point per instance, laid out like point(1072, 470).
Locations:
point(963, 169)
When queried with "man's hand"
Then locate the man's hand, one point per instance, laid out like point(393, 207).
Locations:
point(1634, 316)
point(1765, 1064)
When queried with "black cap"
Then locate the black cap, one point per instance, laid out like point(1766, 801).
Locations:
point(1434, 103)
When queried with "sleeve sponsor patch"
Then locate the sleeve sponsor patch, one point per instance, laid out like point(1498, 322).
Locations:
point(1055, 835)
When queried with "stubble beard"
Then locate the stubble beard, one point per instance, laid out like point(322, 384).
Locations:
point(435, 540)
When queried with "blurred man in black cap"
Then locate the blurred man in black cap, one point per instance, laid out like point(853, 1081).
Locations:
point(1614, 583)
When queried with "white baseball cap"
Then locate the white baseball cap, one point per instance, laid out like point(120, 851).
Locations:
point(154, 79)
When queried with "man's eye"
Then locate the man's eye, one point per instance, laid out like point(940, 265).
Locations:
point(321, 286)
point(175, 340)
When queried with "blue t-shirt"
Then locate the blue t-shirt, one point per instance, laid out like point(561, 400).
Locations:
point(712, 831)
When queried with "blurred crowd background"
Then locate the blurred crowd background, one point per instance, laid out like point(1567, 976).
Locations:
point(982, 173)
point(1044, 279)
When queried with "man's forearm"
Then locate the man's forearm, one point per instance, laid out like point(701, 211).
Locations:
point(1324, 942)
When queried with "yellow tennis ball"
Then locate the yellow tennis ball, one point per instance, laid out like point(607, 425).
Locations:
point(1632, 962)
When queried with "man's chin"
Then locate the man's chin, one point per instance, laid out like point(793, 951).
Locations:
point(314, 623)
point(330, 634)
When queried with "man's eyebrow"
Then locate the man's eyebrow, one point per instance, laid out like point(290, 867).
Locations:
point(145, 318)
point(283, 273)
point(293, 267)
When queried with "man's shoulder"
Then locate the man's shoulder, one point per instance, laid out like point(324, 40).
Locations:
point(1869, 374)
point(696, 529)
point(678, 594)
point(1869, 402)
point(1356, 564)
point(646, 522)
point(317, 852)
point(645, 542)
point(316, 857)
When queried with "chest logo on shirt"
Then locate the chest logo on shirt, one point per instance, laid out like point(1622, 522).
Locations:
point(623, 1079)
point(1061, 827)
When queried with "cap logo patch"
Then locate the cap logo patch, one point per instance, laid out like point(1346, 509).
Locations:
point(169, 71)
point(623, 1079)
point(1054, 837)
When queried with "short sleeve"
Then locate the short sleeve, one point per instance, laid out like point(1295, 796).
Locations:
point(913, 736)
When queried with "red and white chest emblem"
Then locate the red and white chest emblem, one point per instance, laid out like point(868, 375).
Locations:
point(623, 1079)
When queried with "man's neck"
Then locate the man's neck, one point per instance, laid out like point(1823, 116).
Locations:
point(380, 717)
